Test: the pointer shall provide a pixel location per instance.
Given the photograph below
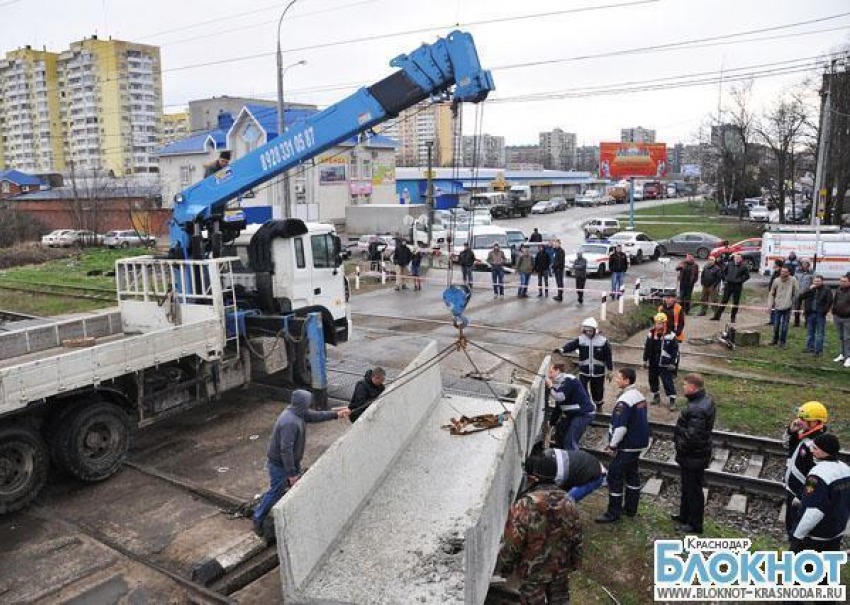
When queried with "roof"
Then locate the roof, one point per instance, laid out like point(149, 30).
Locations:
point(468, 175)
point(115, 190)
point(197, 143)
point(20, 178)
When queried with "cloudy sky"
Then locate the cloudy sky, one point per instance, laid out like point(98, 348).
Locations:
point(574, 59)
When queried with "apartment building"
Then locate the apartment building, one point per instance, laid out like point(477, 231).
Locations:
point(111, 105)
point(558, 149)
point(30, 128)
point(415, 127)
point(483, 151)
point(174, 127)
point(638, 134)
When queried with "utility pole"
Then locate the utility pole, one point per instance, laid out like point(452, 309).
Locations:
point(823, 144)
point(429, 196)
point(632, 203)
point(281, 121)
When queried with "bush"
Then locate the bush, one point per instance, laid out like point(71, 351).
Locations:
point(30, 254)
point(17, 227)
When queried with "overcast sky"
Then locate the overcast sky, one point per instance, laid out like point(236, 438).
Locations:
point(190, 32)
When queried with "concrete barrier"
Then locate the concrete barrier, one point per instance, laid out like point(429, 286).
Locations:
point(313, 515)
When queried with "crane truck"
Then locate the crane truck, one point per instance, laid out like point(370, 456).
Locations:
point(229, 301)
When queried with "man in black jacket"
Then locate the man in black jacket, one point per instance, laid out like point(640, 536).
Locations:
point(536, 236)
point(580, 273)
point(688, 272)
point(817, 301)
point(710, 279)
point(401, 259)
point(366, 391)
point(466, 258)
point(734, 276)
point(692, 436)
point(541, 267)
point(559, 263)
point(618, 264)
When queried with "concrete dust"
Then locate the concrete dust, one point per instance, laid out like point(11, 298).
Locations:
point(407, 544)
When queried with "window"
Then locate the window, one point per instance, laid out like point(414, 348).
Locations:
point(299, 253)
point(185, 175)
point(4, 187)
point(323, 251)
point(367, 170)
point(354, 172)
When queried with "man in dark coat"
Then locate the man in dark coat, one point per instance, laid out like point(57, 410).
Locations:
point(580, 273)
point(366, 391)
point(401, 259)
point(541, 267)
point(692, 436)
point(712, 275)
point(559, 262)
point(734, 276)
point(688, 272)
point(466, 258)
point(536, 236)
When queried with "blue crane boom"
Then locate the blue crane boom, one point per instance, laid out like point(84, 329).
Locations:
point(429, 70)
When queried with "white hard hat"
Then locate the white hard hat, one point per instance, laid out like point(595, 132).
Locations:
point(590, 322)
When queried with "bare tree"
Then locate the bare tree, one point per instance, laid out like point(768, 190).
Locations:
point(90, 191)
point(732, 138)
point(781, 130)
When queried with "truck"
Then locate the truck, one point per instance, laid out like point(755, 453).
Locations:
point(518, 203)
point(409, 221)
point(228, 302)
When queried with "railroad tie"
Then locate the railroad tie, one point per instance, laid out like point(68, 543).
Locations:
point(754, 465)
point(780, 520)
point(737, 504)
point(721, 456)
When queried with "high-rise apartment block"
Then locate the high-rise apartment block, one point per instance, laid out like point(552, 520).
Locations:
point(96, 106)
point(174, 126)
point(558, 149)
point(637, 135)
point(416, 126)
point(30, 128)
point(485, 151)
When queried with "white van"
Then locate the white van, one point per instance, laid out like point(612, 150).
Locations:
point(832, 251)
point(483, 238)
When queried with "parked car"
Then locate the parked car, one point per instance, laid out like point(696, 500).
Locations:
point(760, 214)
point(593, 198)
point(127, 239)
point(51, 240)
point(596, 254)
point(361, 247)
point(698, 244)
point(600, 228)
point(636, 245)
point(542, 208)
point(561, 202)
point(79, 238)
point(752, 244)
point(797, 213)
point(732, 209)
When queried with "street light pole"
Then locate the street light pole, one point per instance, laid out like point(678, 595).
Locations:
point(281, 123)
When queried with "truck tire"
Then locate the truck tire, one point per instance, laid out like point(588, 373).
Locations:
point(23, 467)
point(639, 257)
point(93, 441)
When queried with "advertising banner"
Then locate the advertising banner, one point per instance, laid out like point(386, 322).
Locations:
point(691, 170)
point(625, 160)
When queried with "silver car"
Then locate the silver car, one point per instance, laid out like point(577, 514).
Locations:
point(127, 239)
point(698, 244)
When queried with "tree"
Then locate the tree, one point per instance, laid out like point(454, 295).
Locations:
point(732, 138)
point(781, 130)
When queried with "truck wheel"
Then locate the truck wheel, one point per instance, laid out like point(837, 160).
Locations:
point(659, 251)
point(23, 467)
point(639, 257)
point(703, 253)
point(93, 441)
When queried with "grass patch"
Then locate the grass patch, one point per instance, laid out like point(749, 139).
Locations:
point(626, 553)
point(73, 271)
point(619, 328)
point(760, 408)
point(792, 362)
point(666, 221)
point(30, 254)
point(47, 306)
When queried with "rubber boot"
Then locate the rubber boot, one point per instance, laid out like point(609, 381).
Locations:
point(671, 403)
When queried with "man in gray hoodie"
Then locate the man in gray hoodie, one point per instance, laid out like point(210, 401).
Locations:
point(286, 449)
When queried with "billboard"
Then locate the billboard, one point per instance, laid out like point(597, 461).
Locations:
point(624, 160)
point(691, 170)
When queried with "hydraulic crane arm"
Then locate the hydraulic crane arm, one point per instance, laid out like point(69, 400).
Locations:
point(429, 70)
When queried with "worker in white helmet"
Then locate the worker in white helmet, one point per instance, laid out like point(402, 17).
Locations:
point(595, 361)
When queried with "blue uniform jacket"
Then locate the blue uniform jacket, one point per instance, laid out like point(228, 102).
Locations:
point(629, 431)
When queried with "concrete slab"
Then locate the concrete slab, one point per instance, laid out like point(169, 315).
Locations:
point(718, 463)
point(653, 486)
point(754, 465)
point(737, 504)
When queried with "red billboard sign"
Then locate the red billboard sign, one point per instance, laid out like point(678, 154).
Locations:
point(624, 160)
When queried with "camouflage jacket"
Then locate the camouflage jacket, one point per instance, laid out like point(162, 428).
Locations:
point(542, 540)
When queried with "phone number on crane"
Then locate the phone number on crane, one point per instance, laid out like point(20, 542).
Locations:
point(285, 150)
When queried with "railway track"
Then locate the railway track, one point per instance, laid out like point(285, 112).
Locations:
point(60, 290)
